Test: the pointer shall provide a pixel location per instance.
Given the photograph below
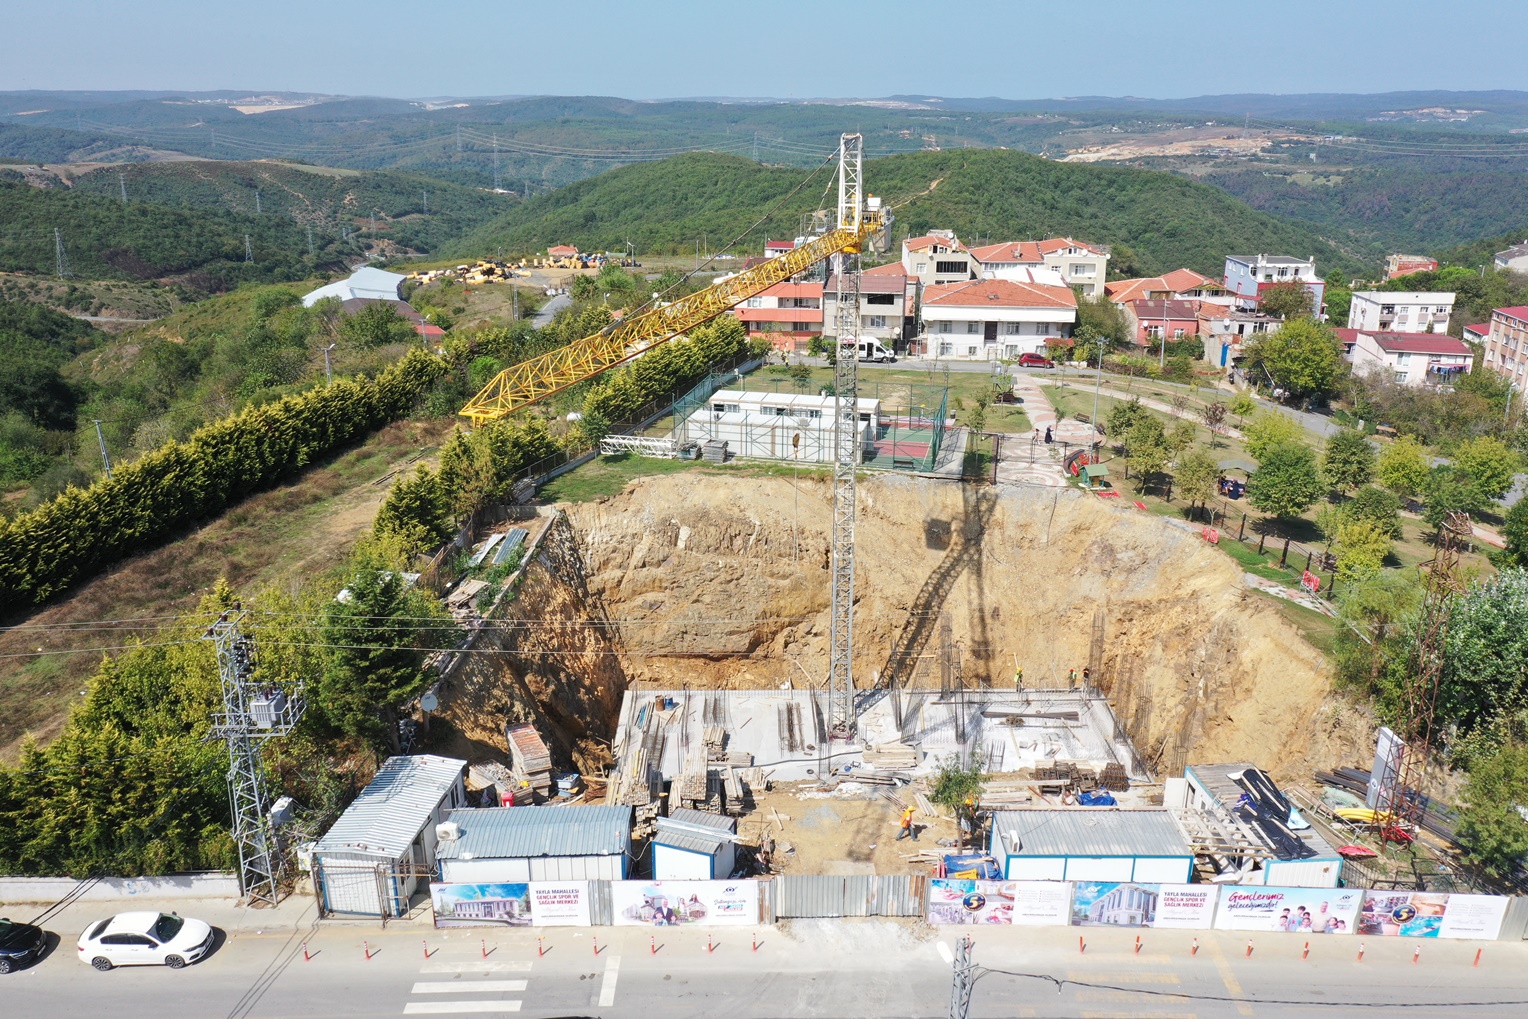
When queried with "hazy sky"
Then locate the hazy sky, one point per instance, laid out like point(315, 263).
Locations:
point(1019, 50)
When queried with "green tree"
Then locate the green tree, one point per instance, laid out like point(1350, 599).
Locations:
point(378, 637)
point(1492, 831)
point(1288, 480)
point(1349, 459)
point(1104, 319)
point(1242, 404)
point(1402, 466)
point(1303, 357)
point(1195, 476)
point(1124, 416)
point(1146, 449)
point(1339, 301)
point(1180, 436)
point(583, 288)
point(1447, 489)
point(1489, 463)
point(1515, 530)
point(1377, 506)
point(1362, 547)
point(417, 512)
point(801, 377)
point(1287, 300)
point(1268, 429)
point(1214, 415)
point(1484, 682)
point(375, 325)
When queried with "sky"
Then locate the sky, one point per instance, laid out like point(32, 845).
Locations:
point(1021, 49)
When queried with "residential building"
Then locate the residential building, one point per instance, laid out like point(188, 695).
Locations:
point(1180, 284)
point(1079, 264)
point(888, 306)
point(1477, 334)
point(989, 320)
point(773, 248)
point(367, 284)
point(1152, 320)
point(1405, 265)
point(1507, 344)
point(1224, 330)
point(1412, 359)
point(788, 315)
point(1247, 276)
point(1514, 258)
point(1400, 311)
point(937, 257)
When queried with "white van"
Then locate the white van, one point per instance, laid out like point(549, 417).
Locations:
point(871, 350)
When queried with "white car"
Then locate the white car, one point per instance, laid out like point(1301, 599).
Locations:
point(144, 939)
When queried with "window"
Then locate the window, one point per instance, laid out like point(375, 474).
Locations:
point(1011, 328)
point(973, 327)
point(950, 267)
point(1081, 269)
point(1400, 376)
point(880, 298)
point(1178, 334)
point(167, 926)
point(755, 302)
point(1402, 358)
point(922, 268)
point(946, 349)
point(970, 351)
point(877, 321)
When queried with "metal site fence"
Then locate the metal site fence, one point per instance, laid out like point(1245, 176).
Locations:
point(1262, 535)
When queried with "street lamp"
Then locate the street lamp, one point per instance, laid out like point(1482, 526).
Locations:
point(328, 370)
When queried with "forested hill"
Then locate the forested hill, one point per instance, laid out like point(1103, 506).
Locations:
point(414, 212)
point(1156, 221)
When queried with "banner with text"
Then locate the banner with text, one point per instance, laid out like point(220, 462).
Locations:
point(1431, 915)
point(1127, 904)
point(676, 903)
point(514, 904)
point(1296, 910)
point(1023, 903)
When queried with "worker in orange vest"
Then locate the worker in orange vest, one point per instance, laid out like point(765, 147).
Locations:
point(907, 826)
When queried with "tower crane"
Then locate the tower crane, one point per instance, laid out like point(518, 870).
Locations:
point(860, 219)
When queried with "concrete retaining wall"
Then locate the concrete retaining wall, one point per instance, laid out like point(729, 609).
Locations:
point(148, 889)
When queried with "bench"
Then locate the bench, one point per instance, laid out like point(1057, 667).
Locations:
point(904, 463)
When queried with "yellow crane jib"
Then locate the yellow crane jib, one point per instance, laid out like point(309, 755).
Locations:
point(540, 377)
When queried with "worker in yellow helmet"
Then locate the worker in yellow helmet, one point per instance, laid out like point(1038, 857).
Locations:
point(907, 826)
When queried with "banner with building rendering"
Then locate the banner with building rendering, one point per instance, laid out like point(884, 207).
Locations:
point(682, 903)
point(1129, 904)
point(513, 904)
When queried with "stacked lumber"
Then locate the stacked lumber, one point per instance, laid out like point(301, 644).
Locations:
point(492, 780)
point(926, 806)
point(530, 757)
point(715, 739)
point(1000, 798)
point(595, 787)
point(892, 757)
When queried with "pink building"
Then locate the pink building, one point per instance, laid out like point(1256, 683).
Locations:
point(789, 315)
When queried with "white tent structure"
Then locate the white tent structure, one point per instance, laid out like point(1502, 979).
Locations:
point(365, 283)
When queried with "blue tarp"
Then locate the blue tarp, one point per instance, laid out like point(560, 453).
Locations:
point(1102, 798)
point(971, 866)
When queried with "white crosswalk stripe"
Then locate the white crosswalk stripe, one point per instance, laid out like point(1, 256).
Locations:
point(475, 983)
point(475, 986)
point(458, 1007)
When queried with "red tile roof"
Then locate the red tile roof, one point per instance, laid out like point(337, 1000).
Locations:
point(1125, 291)
point(1149, 311)
point(1051, 245)
point(1479, 330)
point(929, 240)
point(561, 250)
point(1520, 312)
point(998, 293)
point(779, 245)
point(1009, 251)
point(1180, 280)
point(889, 269)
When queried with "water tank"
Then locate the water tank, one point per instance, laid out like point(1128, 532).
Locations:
point(447, 831)
point(281, 812)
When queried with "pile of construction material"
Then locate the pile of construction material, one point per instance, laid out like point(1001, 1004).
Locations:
point(529, 757)
point(714, 451)
point(462, 603)
point(892, 757)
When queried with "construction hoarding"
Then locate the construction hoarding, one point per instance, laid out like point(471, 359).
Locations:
point(1129, 904)
point(1297, 910)
point(517, 904)
point(1023, 903)
point(1431, 915)
point(676, 903)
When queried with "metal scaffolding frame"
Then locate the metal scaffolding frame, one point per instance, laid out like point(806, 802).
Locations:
point(252, 713)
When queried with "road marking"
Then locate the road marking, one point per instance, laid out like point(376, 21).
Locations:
point(1139, 1015)
point(1229, 979)
point(466, 986)
point(477, 966)
point(607, 986)
point(458, 1007)
point(1086, 976)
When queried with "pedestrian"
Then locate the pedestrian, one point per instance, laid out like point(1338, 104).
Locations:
point(1018, 678)
point(907, 826)
point(1071, 677)
point(1049, 436)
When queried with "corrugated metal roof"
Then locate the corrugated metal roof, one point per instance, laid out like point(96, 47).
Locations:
point(1087, 831)
point(695, 843)
point(498, 833)
point(684, 815)
point(392, 810)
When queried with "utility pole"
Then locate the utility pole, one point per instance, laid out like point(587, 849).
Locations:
point(105, 456)
point(496, 160)
point(60, 259)
point(257, 201)
point(374, 222)
point(514, 301)
point(1098, 386)
point(756, 146)
point(328, 370)
point(252, 713)
point(426, 195)
point(249, 252)
point(122, 182)
point(310, 240)
point(1162, 361)
point(960, 988)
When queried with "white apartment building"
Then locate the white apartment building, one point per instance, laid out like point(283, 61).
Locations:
point(990, 320)
point(1247, 276)
point(1514, 258)
point(888, 304)
point(1400, 311)
point(937, 257)
point(1080, 265)
point(1411, 359)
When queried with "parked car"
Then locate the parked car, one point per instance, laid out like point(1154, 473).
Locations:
point(144, 939)
point(20, 943)
point(1035, 361)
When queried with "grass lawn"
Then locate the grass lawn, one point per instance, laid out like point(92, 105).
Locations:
point(605, 476)
point(1320, 631)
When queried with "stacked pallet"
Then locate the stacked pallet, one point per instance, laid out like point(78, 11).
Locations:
point(1114, 779)
point(714, 451)
point(530, 757)
point(892, 757)
point(715, 739)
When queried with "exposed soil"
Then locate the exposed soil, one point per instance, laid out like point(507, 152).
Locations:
point(707, 581)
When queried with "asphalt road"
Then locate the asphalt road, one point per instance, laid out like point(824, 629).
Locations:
point(808, 968)
point(544, 314)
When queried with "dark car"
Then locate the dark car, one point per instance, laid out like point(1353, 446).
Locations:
point(20, 943)
point(1035, 361)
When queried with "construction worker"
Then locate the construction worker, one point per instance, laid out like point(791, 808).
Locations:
point(1072, 677)
point(907, 826)
point(1018, 678)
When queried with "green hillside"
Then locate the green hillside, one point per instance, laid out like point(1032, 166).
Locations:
point(1156, 221)
point(414, 212)
point(104, 239)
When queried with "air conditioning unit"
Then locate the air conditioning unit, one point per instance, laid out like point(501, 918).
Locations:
point(448, 831)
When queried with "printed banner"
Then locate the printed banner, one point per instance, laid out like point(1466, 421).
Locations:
point(954, 901)
point(1474, 916)
point(517, 904)
point(1114, 904)
point(1190, 907)
point(1432, 915)
point(674, 903)
point(1041, 903)
point(1297, 910)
